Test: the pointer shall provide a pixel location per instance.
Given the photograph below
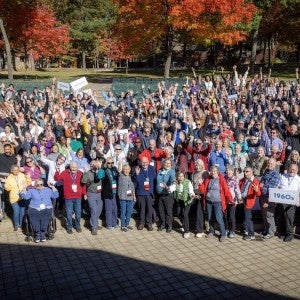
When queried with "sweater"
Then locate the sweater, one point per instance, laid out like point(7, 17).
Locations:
point(167, 177)
point(147, 175)
point(38, 197)
point(93, 180)
point(72, 186)
point(126, 190)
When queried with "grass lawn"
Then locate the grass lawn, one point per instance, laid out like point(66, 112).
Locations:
point(68, 74)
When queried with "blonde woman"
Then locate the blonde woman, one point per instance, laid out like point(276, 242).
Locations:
point(294, 158)
point(198, 177)
point(15, 183)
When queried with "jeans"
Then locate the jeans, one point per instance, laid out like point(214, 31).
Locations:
point(248, 222)
point(145, 202)
point(165, 207)
point(215, 207)
point(19, 211)
point(39, 219)
point(126, 211)
point(111, 211)
point(96, 205)
point(199, 217)
point(73, 204)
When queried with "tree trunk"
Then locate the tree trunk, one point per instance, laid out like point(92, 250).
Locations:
point(168, 65)
point(253, 51)
point(8, 53)
point(269, 52)
point(83, 60)
point(264, 53)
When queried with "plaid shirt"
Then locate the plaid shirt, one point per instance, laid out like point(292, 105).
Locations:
point(270, 179)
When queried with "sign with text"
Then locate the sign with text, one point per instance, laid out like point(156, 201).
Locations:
point(63, 86)
point(79, 83)
point(284, 196)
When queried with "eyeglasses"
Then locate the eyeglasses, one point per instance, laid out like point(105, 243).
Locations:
point(110, 163)
point(39, 184)
point(4, 141)
point(198, 143)
point(118, 149)
point(246, 171)
point(137, 142)
point(44, 140)
point(198, 124)
point(28, 161)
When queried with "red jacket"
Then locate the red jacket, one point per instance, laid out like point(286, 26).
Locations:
point(157, 156)
point(68, 182)
point(225, 194)
point(251, 195)
point(202, 154)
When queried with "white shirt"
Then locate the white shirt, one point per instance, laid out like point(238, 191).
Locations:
point(290, 183)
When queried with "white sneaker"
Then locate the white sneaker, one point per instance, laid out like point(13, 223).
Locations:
point(200, 234)
point(181, 229)
point(186, 235)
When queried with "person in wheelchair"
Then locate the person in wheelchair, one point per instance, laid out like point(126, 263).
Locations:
point(40, 208)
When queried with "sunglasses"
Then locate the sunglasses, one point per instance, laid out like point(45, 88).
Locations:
point(118, 149)
point(137, 142)
point(110, 163)
point(39, 184)
point(28, 161)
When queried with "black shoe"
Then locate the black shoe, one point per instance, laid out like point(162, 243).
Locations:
point(160, 228)
point(169, 230)
point(124, 229)
point(141, 227)
point(150, 228)
point(288, 238)
point(99, 227)
point(69, 231)
point(94, 232)
point(78, 230)
point(129, 227)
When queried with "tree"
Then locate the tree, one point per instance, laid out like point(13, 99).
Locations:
point(35, 31)
point(8, 53)
point(163, 23)
point(89, 20)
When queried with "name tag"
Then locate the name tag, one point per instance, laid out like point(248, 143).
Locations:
point(114, 186)
point(74, 188)
point(42, 206)
point(146, 185)
point(161, 185)
point(99, 188)
point(152, 163)
point(32, 182)
point(129, 193)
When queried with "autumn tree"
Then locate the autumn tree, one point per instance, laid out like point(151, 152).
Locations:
point(163, 23)
point(35, 31)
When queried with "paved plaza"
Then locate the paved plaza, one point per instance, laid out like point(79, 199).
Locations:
point(146, 265)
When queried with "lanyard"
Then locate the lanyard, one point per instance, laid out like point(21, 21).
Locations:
point(73, 177)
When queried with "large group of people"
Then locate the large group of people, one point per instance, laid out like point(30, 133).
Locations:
point(214, 146)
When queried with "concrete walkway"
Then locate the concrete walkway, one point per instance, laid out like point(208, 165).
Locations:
point(146, 265)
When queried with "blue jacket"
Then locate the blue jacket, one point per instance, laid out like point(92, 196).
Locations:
point(143, 176)
point(218, 159)
point(167, 177)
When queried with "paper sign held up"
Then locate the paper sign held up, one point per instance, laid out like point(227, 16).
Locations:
point(79, 83)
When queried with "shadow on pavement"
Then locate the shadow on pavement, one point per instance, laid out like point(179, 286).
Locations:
point(36, 271)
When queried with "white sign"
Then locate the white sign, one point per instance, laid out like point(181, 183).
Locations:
point(79, 83)
point(284, 196)
point(232, 97)
point(63, 86)
point(89, 92)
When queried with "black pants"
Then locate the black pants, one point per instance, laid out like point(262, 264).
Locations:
point(286, 219)
point(145, 204)
point(230, 220)
point(199, 216)
point(165, 208)
point(183, 214)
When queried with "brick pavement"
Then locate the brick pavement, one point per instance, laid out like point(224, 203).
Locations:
point(146, 265)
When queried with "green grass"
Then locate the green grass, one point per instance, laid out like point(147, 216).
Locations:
point(284, 72)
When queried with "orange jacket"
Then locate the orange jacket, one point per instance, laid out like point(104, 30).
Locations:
point(251, 196)
point(225, 194)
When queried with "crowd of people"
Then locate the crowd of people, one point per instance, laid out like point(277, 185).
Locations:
point(214, 146)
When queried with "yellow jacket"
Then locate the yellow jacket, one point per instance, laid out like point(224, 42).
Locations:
point(15, 184)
